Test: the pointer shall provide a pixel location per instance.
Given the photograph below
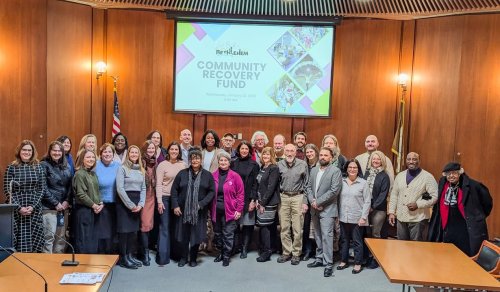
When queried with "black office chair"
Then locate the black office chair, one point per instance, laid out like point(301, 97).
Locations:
point(488, 258)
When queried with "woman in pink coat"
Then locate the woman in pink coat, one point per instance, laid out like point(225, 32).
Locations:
point(227, 206)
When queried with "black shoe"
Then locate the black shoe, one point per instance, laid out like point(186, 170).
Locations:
point(243, 254)
point(225, 262)
point(218, 258)
point(146, 260)
point(357, 271)
point(328, 272)
point(284, 258)
point(315, 264)
point(306, 256)
point(125, 263)
point(193, 263)
point(372, 264)
point(135, 261)
point(340, 268)
point(182, 262)
point(264, 257)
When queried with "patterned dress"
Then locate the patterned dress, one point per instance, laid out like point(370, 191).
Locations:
point(28, 187)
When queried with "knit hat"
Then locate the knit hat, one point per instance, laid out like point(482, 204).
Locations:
point(452, 166)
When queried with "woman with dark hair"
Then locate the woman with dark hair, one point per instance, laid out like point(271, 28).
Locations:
point(56, 199)
point(131, 187)
point(66, 141)
point(192, 191)
point(227, 206)
point(268, 181)
point(106, 171)
point(157, 139)
point(87, 202)
point(354, 206)
point(148, 151)
point(24, 183)
point(120, 143)
point(166, 172)
point(210, 149)
point(308, 243)
point(248, 170)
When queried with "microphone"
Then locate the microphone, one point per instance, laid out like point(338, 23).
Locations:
point(65, 263)
point(12, 254)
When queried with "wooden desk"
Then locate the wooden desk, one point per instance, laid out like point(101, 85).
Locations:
point(16, 277)
point(429, 264)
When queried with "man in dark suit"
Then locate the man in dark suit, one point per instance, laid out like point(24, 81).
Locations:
point(323, 189)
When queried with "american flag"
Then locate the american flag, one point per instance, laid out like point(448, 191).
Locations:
point(116, 115)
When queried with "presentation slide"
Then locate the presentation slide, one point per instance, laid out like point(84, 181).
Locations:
point(250, 69)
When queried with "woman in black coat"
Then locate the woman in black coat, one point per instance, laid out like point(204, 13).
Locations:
point(192, 191)
point(248, 170)
point(268, 199)
point(459, 216)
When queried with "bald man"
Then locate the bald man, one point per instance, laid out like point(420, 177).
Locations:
point(186, 138)
point(414, 193)
point(371, 144)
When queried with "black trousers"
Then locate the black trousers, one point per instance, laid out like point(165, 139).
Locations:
point(163, 246)
point(356, 233)
point(224, 233)
point(265, 240)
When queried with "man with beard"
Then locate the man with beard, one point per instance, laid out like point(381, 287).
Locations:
point(300, 140)
point(323, 188)
point(413, 194)
point(279, 144)
point(294, 176)
point(186, 139)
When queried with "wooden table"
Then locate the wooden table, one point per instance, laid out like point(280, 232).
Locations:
point(16, 277)
point(429, 264)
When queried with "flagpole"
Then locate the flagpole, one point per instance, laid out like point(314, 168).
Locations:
point(402, 112)
point(116, 114)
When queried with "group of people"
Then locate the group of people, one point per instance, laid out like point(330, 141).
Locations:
point(182, 198)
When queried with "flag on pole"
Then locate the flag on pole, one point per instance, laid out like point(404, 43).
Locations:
point(116, 114)
point(397, 143)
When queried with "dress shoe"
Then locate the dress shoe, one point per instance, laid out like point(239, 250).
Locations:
point(284, 258)
point(315, 264)
point(182, 262)
point(193, 263)
point(218, 258)
point(354, 271)
point(340, 268)
point(264, 257)
point(328, 272)
point(225, 262)
point(295, 260)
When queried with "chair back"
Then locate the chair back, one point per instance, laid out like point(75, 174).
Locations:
point(488, 256)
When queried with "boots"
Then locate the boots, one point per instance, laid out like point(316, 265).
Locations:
point(247, 236)
point(144, 242)
point(193, 254)
point(124, 262)
point(135, 261)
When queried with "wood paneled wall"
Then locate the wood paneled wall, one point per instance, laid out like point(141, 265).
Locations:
point(48, 50)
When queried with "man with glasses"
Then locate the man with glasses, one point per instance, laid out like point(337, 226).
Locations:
point(459, 217)
point(227, 145)
point(413, 194)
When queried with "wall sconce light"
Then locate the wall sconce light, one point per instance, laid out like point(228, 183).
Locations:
point(403, 80)
point(100, 69)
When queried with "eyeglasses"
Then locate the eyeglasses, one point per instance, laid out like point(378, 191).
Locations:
point(452, 173)
point(26, 150)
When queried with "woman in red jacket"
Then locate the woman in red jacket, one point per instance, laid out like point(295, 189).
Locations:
point(227, 206)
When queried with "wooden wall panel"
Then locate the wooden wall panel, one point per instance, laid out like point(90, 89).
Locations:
point(435, 90)
point(364, 86)
point(69, 76)
point(23, 95)
point(478, 115)
point(140, 52)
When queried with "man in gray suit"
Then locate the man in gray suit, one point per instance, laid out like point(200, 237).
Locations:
point(323, 189)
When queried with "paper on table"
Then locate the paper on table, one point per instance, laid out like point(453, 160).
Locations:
point(82, 278)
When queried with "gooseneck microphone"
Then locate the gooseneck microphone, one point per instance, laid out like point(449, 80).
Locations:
point(12, 255)
point(65, 263)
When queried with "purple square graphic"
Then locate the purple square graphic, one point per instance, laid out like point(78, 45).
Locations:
point(306, 103)
point(324, 83)
point(199, 32)
point(184, 57)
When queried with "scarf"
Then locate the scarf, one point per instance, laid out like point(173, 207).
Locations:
point(150, 167)
point(449, 197)
point(191, 208)
point(372, 173)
